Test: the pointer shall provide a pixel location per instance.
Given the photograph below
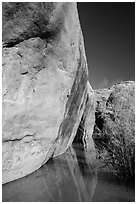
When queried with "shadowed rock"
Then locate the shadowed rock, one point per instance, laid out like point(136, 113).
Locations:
point(45, 86)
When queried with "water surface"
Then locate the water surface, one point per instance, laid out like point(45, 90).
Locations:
point(70, 177)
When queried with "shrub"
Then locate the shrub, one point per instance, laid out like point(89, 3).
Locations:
point(119, 130)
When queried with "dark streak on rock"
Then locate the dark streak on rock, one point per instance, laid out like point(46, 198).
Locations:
point(48, 36)
point(17, 139)
point(24, 73)
point(74, 101)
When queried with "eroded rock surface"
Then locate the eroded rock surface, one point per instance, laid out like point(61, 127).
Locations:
point(45, 86)
point(121, 108)
point(116, 106)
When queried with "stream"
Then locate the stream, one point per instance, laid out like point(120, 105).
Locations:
point(70, 177)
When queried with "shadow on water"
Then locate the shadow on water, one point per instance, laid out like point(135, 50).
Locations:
point(69, 177)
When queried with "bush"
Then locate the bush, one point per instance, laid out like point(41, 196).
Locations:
point(119, 130)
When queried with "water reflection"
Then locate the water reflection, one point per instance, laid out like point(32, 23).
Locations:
point(69, 177)
point(111, 189)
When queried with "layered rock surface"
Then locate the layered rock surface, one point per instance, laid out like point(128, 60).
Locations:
point(45, 88)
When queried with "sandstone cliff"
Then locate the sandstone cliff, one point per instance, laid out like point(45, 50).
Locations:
point(45, 87)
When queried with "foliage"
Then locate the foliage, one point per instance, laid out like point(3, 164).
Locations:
point(119, 131)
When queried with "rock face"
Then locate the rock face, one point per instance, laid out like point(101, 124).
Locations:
point(121, 108)
point(115, 123)
point(116, 106)
point(45, 88)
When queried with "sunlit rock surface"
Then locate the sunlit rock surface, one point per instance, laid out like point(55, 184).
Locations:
point(119, 122)
point(116, 107)
point(45, 88)
point(70, 177)
point(101, 96)
point(121, 108)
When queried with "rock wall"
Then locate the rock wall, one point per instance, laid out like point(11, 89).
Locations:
point(45, 86)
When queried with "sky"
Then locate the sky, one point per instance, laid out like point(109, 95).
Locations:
point(109, 36)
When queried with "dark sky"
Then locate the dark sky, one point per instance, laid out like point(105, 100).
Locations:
point(109, 36)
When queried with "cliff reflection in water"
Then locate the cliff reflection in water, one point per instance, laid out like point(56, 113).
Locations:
point(69, 177)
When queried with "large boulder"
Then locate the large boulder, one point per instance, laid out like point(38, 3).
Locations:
point(115, 120)
point(120, 107)
point(45, 87)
